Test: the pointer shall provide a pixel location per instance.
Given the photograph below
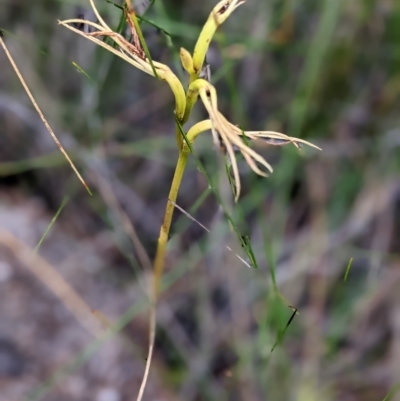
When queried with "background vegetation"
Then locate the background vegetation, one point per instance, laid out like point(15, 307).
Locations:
point(325, 71)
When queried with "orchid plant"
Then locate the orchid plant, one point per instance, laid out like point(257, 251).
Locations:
point(232, 137)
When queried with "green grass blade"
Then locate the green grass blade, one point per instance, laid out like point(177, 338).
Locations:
point(348, 269)
point(63, 204)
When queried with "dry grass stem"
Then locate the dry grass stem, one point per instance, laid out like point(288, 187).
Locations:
point(46, 124)
point(55, 282)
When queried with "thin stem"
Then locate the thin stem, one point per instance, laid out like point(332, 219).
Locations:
point(159, 260)
point(169, 210)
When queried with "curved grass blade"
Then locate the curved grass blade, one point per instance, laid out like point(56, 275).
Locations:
point(81, 70)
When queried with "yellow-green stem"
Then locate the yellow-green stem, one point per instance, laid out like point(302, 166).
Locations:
point(164, 231)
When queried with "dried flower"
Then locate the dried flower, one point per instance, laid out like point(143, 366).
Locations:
point(231, 135)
